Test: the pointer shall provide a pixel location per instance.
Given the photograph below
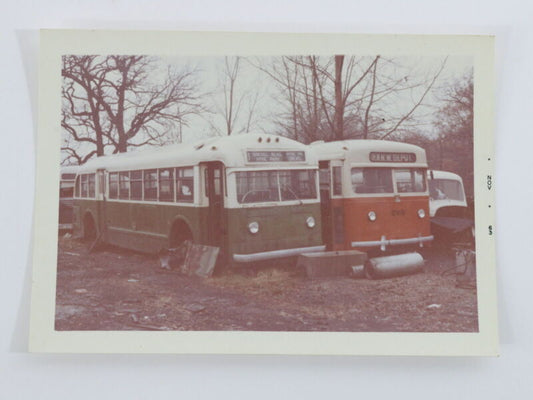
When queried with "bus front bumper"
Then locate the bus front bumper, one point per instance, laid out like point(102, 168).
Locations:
point(269, 255)
point(384, 242)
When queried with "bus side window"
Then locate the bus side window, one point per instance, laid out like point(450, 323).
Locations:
point(150, 184)
point(101, 183)
point(136, 185)
point(166, 184)
point(84, 185)
point(91, 185)
point(113, 185)
point(337, 181)
point(185, 185)
point(124, 185)
point(77, 191)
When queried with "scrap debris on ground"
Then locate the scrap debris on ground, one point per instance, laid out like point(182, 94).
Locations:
point(114, 289)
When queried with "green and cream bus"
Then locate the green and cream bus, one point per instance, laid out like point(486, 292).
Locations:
point(254, 195)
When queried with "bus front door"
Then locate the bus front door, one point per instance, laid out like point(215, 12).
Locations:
point(325, 203)
point(214, 178)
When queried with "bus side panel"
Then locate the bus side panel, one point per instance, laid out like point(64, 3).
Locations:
point(117, 215)
point(280, 227)
point(146, 227)
point(395, 220)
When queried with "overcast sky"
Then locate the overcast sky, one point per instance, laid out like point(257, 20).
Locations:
point(251, 80)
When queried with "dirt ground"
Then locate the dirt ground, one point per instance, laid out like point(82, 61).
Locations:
point(114, 289)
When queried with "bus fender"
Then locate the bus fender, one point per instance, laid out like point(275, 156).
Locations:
point(180, 219)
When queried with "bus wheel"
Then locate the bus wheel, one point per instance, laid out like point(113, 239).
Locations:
point(179, 233)
point(89, 228)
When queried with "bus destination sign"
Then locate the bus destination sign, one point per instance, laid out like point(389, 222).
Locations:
point(385, 156)
point(275, 156)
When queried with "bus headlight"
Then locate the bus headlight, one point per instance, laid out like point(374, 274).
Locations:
point(421, 213)
point(310, 221)
point(372, 216)
point(253, 227)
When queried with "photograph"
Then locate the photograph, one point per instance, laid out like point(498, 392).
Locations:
point(300, 192)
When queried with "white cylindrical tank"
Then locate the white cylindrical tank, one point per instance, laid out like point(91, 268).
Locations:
point(397, 265)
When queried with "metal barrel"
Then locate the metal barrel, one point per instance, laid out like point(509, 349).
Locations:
point(391, 266)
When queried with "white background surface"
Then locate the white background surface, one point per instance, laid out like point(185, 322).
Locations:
point(25, 375)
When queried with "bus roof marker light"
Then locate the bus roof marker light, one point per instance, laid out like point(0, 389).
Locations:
point(260, 139)
point(268, 140)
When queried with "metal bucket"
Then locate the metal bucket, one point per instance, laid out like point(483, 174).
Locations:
point(391, 266)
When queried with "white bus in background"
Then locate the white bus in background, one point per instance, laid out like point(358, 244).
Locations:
point(445, 190)
point(448, 208)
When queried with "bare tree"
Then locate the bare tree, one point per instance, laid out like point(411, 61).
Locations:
point(428, 85)
point(286, 75)
point(451, 148)
point(317, 95)
point(339, 97)
point(231, 105)
point(454, 121)
point(345, 84)
point(302, 115)
point(235, 101)
point(112, 102)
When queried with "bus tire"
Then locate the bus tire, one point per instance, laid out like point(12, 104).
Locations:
point(179, 233)
point(89, 228)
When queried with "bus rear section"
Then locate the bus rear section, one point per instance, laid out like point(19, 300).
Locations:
point(374, 196)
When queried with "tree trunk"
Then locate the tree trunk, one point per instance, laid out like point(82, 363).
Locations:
point(339, 104)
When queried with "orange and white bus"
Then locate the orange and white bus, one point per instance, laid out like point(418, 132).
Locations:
point(374, 195)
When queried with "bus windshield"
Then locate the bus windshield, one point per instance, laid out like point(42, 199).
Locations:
point(279, 185)
point(441, 189)
point(372, 180)
point(379, 180)
point(410, 180)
